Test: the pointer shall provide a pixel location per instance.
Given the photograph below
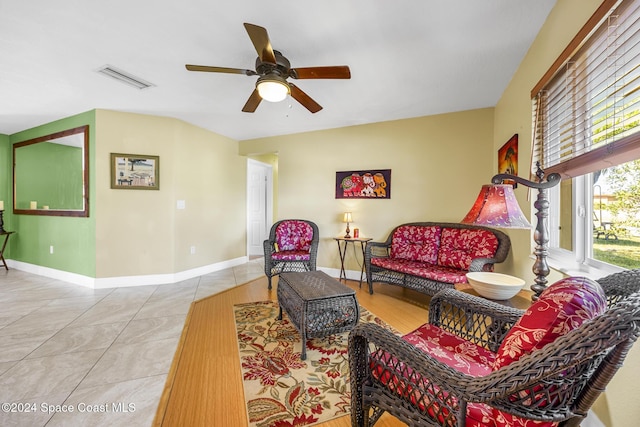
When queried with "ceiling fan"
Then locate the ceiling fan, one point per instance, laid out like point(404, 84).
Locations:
point(274, 70)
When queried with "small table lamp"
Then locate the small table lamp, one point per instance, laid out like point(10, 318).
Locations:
point(496, 206)
point(347, 218)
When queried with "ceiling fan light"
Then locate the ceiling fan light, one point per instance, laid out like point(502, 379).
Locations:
point(273, 89)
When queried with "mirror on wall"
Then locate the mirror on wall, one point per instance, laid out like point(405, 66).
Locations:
point(51, 174)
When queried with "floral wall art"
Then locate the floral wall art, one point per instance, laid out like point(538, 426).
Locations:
point(364, 184)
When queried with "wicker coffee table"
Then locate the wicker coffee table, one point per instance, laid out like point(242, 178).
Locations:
point(317, 305)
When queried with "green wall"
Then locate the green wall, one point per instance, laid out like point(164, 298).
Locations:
point(73, 239)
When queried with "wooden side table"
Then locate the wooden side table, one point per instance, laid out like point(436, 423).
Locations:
point(342, 250)
point(6, 235)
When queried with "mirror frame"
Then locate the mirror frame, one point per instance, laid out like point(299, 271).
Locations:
point(85, 174)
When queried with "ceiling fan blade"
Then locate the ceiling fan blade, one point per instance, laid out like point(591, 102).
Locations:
point(209, 69)
point(304, 99)
point(260, 40)
point(252, 102)
point(334, 72)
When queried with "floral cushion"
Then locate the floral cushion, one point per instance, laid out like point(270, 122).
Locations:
point(294, 235)
point(421, 269)
point(465, 356)
point(418, 243)
point(453, 351)
point(562, 307)
point(291, 256)
point(460, 246)
point(447, 348)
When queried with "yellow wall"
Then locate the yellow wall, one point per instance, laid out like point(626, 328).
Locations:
point(141, 232)
point(513, 115)
point(438, 164)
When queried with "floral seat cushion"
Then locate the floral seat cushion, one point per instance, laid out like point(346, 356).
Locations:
point(447, 348)
point(562, 307)
point(465, 356)
point(291, 256)
point(295, 236)
point(421, 269)
point(460, 246)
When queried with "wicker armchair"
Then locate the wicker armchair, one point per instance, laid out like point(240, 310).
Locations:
point(557, 382)
point(292, 246)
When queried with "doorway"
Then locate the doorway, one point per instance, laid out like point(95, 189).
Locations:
point(259, 205)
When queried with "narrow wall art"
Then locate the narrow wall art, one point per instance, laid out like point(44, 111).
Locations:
point(508, 158)
point(364, 184)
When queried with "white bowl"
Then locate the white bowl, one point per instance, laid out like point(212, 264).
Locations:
point(496, 286)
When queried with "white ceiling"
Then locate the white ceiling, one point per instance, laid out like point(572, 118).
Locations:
point(408, 58)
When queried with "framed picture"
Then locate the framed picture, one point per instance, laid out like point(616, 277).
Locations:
point(365, 184)
point(508, 158)
point(135, 172)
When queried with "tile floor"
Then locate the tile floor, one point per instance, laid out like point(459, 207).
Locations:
point(103, 354)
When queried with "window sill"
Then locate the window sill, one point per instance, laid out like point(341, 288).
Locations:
point(565, 263)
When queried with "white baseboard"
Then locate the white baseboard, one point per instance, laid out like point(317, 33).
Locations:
point(124, 281)
point(77, 279)
point(150, 279)
point(592, 420)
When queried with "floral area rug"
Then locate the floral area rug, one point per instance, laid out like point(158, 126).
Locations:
point(280, 389)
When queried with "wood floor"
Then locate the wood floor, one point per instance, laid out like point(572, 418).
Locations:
point(204, 385)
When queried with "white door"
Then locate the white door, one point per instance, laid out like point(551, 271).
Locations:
point(259, 205)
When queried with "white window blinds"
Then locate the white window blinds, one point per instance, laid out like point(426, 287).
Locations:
point(587, 113)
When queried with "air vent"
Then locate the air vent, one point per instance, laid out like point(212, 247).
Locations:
point(124, 77)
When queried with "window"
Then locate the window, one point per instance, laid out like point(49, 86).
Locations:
point(586, 113)
point(594, 220)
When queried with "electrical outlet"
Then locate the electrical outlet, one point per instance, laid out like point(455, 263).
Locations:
point(193, 250)
point(51, 249)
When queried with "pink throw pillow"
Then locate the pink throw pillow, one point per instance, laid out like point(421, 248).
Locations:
point(460, 246)
point(294, 236)
point(562, 307)
point(416, 243)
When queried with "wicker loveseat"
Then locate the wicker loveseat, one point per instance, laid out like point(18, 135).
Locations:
point(478, 363)
point(431, 256)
